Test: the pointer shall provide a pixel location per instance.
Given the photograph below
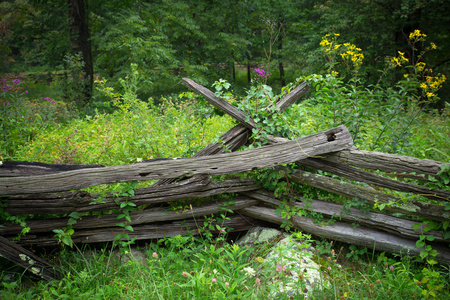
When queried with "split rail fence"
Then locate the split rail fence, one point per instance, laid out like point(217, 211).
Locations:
point(47, 189)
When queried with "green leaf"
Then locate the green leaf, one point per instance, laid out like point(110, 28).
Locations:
point(430, 238)
point(75, 215)
point(420, 243)
point(71, 222)
point(129, 228)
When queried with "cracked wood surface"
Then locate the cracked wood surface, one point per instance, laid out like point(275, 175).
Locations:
point(335, 139)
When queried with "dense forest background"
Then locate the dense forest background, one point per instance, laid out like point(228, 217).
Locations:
point(206, 40)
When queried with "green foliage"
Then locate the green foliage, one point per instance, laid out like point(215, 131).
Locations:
point(22, 118)
point(137, 130)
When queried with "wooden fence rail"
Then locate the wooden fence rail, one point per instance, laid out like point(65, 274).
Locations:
point(29, 188)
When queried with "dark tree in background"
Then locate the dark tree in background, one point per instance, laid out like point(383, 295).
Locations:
point(80, 41)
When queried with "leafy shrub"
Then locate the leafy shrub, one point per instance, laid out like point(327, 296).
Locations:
point(136, 130)
point(22, 118)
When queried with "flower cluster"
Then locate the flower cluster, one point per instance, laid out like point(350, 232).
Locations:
point(261, 73)
point(50, 100)
point(397, 61)
point(416, 35)
point(348, 52)
point(431, 85)
point(12, 83)
point(353, 54)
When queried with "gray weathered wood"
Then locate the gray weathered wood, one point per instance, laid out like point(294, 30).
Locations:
point(394, 225)
point(411, 207)
point(143, 232)
point(80, 201)
point(219, 103)
point(292, 96)
point(29, 261)
point(345, 232)
point(335, 139)
point(147, 216)
point(386, 162)
point(25, 168)
point(367, 177)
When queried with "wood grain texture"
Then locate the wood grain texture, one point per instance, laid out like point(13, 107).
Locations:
point(147, 216)
point(25, 168)
point(386, 162)
point(81, 201)
point(390, 224)
point(344, 232)
point(335, 139)
point(143, 232)
point(411, 207)
point(363, 176)
point(28, 260)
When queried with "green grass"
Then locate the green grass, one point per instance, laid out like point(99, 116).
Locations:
point(193, 268)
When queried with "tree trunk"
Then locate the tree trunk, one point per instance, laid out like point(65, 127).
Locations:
point(280, 63)
point(80, 42)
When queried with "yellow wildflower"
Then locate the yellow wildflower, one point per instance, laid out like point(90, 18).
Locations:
point(420, 66)
point(337, 46)
point(405, 75)
point(334, 73)
point(337, 34)
point(430, 95)
point(402, 56)
point(423, 85)
point(433, 46)
point(396, 61)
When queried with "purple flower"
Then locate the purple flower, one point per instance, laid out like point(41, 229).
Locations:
point(16, 80)
point(8, 104)
point(214, 280)
point(261, 73)
point(26, 92)
point(391, 268)
point(47, 99)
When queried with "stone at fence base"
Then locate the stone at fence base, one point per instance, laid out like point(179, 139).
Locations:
point(294, 270)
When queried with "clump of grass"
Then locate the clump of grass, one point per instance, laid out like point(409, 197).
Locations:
point(187, 267)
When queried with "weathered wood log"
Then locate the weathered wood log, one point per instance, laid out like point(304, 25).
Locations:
point(143, 232)
point(238, 135)
point(345, 232)
point(147, 216)
point(411, 207)
point(219, 103)
point(394, 225)
point(26, 168)
point(268, 156)
point(292, 96)
point(387, 163)
point(367, 177)
point(28, 260)
point(81, 201)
